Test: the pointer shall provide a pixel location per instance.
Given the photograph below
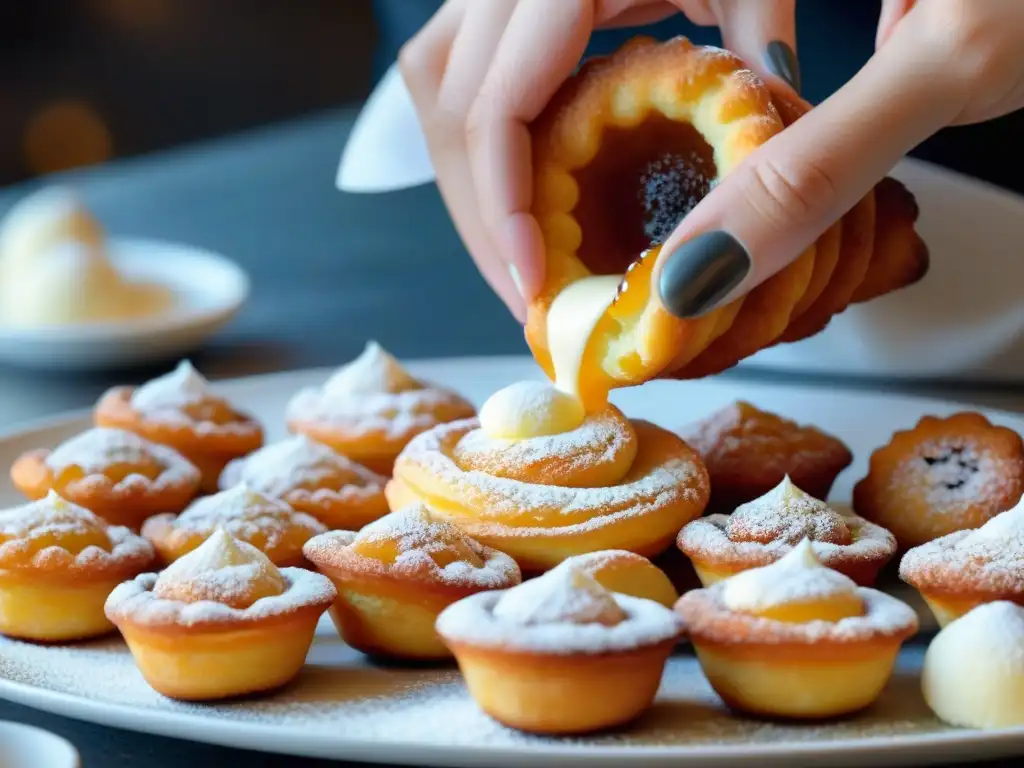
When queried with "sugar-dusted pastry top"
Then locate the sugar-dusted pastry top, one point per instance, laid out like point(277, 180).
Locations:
point(974, 668)
point(299, 463)
point(222, 582)
point(989, 559)
point(130, 458)
point(565, 611)
point(413, 544)
point(769, 526)
point(374, 394)
point(168, 394)
point(242, 512)
point(53, 535)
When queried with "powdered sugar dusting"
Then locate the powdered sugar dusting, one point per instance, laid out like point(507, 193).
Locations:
point(182, 386)
point(565, 595)
point(787, 514)
point(96, 449)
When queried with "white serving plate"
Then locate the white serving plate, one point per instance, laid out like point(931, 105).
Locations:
point(342, 707)
point(208, 290)
point(963, 321)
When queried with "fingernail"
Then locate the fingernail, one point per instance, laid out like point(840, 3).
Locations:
point(701, 272)
point(782, 62)
point(516, 279)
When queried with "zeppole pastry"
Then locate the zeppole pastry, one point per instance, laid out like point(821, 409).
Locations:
point(222, 621)
point(973, 673)
point(625, 149)
point(944, 475)
point(560, 654)
point(118, 475)
point(766, 529)
point(397, 574)
point(627, 573)
point(371, 407)
point(267, 523)
point(58, 564)
point(748, 451)
point(313, 478)
point(541, 478)
point(180, 410)
point(957, 572)
point(795, 639)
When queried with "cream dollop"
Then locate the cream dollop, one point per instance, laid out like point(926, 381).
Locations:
point(973, 673)
point(572, 317)
point(223, 570)
point(530, 409)
point(182, 386)
point(798, 578)
point(375, 371)
point(564, 595)
point(54, 267)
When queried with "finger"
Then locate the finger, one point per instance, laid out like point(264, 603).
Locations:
point(763, 34)
point(633, 14)
point(782, 197)
point(529, 65)
point(892, 12)
point(424, 57)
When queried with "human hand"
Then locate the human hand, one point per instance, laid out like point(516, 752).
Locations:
point(938, 63)
point(481, 70)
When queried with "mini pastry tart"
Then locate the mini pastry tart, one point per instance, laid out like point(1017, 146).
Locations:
point(958, 572)
point(610, 483)
point(973, 674)
point(369, 409)
point(222, 621)
point(560, 654)
point(313, 478)
point(268, 524)
point(795, 639)
point(748, 451)
point(762, 531)
point(58, 564)
point(180, 411)
point(396, 575)
point(942, 476)
point(116, 474)
point(626, 573)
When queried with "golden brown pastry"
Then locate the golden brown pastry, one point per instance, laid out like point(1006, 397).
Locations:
point(179, 410)
point(118, 475)
point(944, 475)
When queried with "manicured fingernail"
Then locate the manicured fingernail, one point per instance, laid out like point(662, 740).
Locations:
point(782, 62)
point(516, 279)
point(701, 272)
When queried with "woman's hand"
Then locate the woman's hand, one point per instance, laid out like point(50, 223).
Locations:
point(481, 70)
point(938, 63)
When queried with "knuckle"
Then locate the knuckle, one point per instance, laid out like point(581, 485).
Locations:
point(412, 59)
point(784, 194)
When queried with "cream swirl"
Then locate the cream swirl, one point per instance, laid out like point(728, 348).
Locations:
point(182, 386)
point(374, 371)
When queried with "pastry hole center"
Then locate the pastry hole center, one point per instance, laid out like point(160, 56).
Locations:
point(951, 468)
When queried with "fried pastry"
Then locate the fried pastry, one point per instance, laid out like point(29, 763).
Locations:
point(762, 531)
point(748, 452)
point(795, 639)
point(313, 478)
point(560, 654)
point(545, 494)
point(944, 475)
point(962, 570)
point(58, 564)
point(626, 573)
point(116, 474)
point(179, 410)
point(973, 674)
point(267, 523)
point(397, 574)
point(371, 407)
point(221, 621)
point(625, 149)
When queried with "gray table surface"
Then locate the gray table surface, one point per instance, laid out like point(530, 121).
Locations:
point(328, 271)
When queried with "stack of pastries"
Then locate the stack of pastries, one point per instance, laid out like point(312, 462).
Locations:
point(521, 542)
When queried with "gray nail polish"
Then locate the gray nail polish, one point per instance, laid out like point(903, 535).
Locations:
point(702, 272)
point(782, 61)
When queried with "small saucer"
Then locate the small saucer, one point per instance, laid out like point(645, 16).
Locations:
point(25, 746)
point(208, 290)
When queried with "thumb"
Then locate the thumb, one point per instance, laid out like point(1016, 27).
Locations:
point(783, 196)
